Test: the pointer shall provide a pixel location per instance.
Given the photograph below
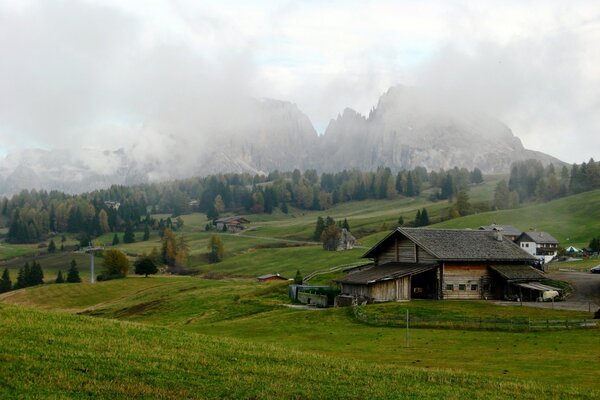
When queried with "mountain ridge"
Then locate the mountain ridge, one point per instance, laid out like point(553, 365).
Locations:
point(406, 129)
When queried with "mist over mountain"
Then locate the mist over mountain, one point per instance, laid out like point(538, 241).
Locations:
point(407, 128)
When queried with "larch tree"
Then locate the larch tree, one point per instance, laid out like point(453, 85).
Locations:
point(216, 250)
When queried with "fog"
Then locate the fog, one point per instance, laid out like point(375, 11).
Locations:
point(158, 76)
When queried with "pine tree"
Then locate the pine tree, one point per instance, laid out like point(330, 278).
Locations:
point(284, 208)
point(36, 276)
point(51, 246)
point(59, 277)
point(73, 274)
point(5, 282)
point(417, 221)
point(424, 217)
point(115, 240)
point(319, 228)
point(345, 225)
point(21, 282)
point(146, 232)
point(298, 278)
point(129, 235)
point(401, 221)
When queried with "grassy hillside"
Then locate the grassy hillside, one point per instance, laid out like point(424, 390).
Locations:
point(56, 355)
point(243, 309)
point(573, 220)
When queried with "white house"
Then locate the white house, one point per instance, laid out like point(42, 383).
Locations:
point(539, 244)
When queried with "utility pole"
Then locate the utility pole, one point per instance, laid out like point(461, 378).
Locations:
point(92, 250)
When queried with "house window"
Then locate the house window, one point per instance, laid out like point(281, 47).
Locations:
point(526, 244)
point(462, 286)
point(449, 287)
point(474, 287)
point(487, 287)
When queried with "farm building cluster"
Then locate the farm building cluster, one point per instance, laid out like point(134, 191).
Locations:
point(489, 263)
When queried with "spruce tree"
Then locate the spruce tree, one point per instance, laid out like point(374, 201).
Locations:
point(298, 278)
point(5, 282)
point(345, 225)
point(21, 282)
point(401, 221)
point(284, 208)
point(115, 240)
point(59, 277)
point(424, 217)
point(418, 218)
point(146, 233)
point(51, 246)
point(129, 235)
point(73, 274)
point(319, 228)
point(36, 274)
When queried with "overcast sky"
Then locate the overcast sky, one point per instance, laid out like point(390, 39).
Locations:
point(95, 73)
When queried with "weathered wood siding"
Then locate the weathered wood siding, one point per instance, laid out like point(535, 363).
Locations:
point(401, 249)
point(355, 290)
point(392, 290)
point(467, 275)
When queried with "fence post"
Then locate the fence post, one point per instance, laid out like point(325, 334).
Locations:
point(407, 330)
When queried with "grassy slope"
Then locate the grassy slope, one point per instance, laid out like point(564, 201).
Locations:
point(573, 220)
point(133, 360)
point(249, 310)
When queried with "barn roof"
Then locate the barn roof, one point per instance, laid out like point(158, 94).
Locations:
point(518, 272)
point(504, 229)
point(269, 276)
point(385, 272)
point(537, 237)
point(459, 245)
point(235, 219)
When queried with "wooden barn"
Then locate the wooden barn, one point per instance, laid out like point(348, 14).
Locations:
point(442, 264)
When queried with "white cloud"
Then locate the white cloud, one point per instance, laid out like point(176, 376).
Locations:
point(95, 72)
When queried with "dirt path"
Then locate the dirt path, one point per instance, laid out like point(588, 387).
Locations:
point(586, 286)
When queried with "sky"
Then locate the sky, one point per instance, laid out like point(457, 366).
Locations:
point(102, 74)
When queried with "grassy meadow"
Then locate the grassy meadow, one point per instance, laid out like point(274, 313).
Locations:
point(221, 334)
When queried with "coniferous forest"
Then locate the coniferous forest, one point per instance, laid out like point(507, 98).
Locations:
point(31, 216)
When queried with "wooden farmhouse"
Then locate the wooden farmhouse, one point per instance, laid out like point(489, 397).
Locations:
point(445, 264)
point(231, 224)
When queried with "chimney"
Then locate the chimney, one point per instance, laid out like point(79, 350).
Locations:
point(498, 235)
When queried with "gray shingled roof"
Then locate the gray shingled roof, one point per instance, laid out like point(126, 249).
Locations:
point(385, 272)
point(538, 237)
point(460, 245)
point(518, 272)
point(504, 229)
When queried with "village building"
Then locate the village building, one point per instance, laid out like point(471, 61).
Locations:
point(444, 264)
point(539, 244)
point(112, 204)
point(231, 224)
point(347, 241)
point(271, 278)
point(508, 231)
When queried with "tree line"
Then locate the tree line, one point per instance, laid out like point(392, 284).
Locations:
point(33, 215)
point(530, 181)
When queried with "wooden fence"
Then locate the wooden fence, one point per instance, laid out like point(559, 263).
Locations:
point(470, 323)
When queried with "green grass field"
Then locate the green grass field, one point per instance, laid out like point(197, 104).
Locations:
point(241, 309)
point(232, 337)
point(48, 355)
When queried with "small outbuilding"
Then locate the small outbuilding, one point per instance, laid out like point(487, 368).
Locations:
point(271, 278)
